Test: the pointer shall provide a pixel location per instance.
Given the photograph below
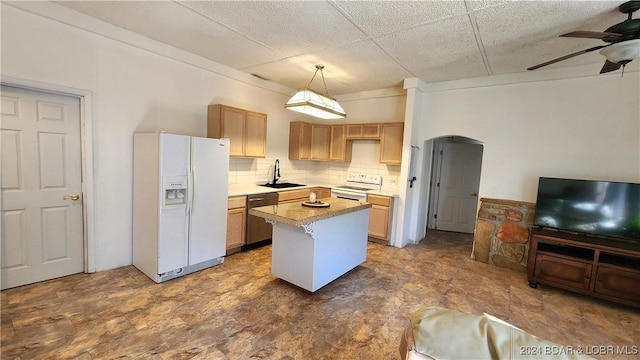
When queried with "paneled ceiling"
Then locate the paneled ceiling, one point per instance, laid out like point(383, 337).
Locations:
point(367, 45)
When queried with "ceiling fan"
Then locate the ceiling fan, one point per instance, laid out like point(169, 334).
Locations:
point(623, 39)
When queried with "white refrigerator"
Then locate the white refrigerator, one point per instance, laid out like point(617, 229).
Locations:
point(179, 203)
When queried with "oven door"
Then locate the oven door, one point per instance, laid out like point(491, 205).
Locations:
point(348, 194)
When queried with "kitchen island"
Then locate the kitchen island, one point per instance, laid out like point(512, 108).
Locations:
point(312, 246)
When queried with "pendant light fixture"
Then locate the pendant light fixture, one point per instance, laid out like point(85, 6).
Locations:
point(309, 102)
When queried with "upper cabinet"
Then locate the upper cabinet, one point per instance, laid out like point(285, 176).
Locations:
point(324, 142)
point(299, 140)
point(391, 143)
point(320, 141)
point(246, 130)
point(363, 131)
point(340, 148)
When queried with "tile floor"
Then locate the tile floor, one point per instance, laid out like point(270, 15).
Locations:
point(238, 310)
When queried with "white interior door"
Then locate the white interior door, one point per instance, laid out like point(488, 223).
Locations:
point(459, 183)
point(42, 227)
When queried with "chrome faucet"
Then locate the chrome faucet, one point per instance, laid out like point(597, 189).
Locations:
point(276, 171)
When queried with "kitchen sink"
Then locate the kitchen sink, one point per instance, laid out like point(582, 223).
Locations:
point(282, 185)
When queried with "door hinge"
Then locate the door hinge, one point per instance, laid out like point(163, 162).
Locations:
point(441, 152)
point(435, 216)
point(438, 184)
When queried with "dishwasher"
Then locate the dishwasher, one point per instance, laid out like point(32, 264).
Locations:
point(257, 228)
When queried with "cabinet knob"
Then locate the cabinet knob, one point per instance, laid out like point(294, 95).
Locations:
point(587, 276)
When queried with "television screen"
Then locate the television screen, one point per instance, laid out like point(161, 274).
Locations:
point(601, 208)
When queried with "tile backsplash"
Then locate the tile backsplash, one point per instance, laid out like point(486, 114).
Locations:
point(364, 160)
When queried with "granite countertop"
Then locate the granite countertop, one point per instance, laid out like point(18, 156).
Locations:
point(296, 214)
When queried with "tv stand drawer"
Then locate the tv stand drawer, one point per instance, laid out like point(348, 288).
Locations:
point(563, 272)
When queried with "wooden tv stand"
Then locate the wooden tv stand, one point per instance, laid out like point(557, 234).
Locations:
point(604, 268)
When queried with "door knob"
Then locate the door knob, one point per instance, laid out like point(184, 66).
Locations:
point(474, 194)
point(73, 197)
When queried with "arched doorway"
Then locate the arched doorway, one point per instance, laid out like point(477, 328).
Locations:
point(455, 180)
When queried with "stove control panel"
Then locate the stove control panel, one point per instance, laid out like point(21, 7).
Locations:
point(372, 179)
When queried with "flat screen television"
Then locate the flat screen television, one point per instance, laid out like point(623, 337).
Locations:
point(600, 208)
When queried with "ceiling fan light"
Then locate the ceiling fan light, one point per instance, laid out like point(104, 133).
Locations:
point(624, 51)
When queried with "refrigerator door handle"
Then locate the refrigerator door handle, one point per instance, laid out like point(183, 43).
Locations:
point(193, 189)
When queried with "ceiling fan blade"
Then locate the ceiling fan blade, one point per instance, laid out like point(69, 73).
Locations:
point(567, 57)
point(590, 34)
point(610, 66)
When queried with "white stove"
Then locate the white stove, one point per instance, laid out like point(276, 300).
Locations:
point(357, 186)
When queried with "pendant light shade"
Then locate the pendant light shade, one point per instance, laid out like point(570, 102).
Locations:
point(309, 102)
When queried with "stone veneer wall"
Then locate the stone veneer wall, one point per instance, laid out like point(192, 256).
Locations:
point(502, 233)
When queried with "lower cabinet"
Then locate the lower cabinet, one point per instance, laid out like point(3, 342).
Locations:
point(605, 268)
point(322, 192)
point(236, 223)
point(568, 272)
point(618, 282)
point(380, 216)
point(289, 196)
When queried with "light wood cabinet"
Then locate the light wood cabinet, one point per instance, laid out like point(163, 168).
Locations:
point(322, 192)
point(320, 141)
point(340, 147)
point(299, 140)
point(236, 223)
point(335, 142)
point(297, 195)
point(246, 130)
point(363, 131)
point(391, 143)
point(380, 216)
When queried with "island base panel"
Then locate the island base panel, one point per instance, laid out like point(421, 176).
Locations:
point(310, 261)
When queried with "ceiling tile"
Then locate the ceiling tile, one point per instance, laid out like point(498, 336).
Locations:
point(368, 45)
point(351, 68)
point(289, 27)
point(176, 25)
point(382, 17)
point(441, 50)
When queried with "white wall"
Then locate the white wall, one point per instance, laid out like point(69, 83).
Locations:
point(133, 89)
point(137, 84)
point(585, 127)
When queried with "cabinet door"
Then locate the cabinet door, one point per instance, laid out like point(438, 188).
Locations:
point(320, 139)
point(255, 134)
point(299, 140)
point(617, 282)
point(293, 195)
point(340, 147)
point(354, 131)
point(235, 227)
point(371, 131)
point(322, 192)
point(563, 272)
point(379, 222)
point(233, 123)
point(391, 143)
point(363, 131)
